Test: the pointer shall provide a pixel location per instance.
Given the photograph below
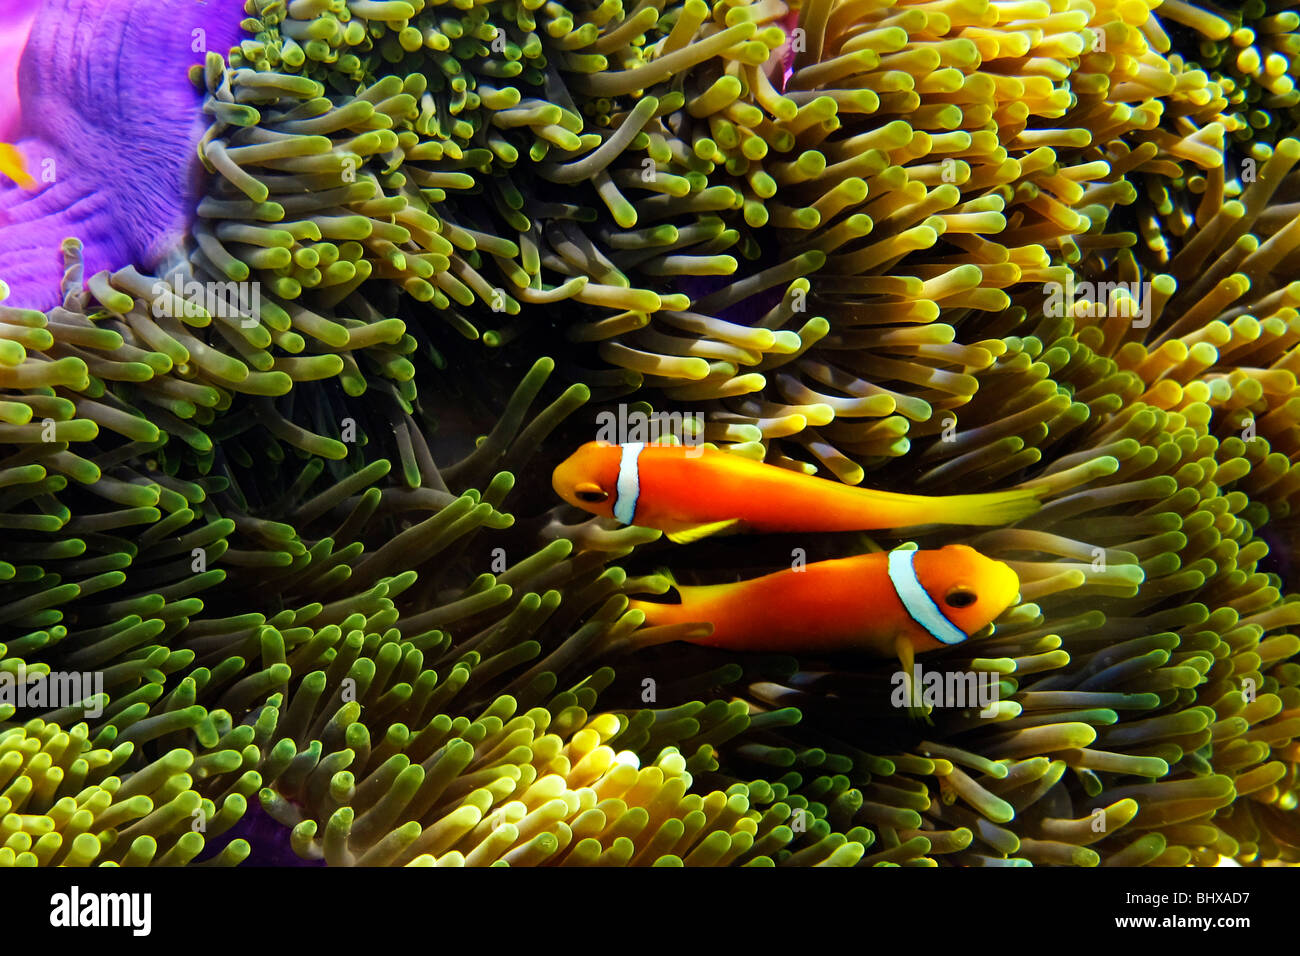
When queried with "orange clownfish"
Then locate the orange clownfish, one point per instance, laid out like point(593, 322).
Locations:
point(689, 493)
point(887, 603)
point(868, 602)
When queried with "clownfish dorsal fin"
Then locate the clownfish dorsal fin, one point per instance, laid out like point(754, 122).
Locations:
point(696, 532)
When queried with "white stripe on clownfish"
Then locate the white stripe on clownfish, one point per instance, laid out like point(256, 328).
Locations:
point(628, 490)
point(917, 601)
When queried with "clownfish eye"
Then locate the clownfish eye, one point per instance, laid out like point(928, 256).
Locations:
point(592, 497)
point(960, 597)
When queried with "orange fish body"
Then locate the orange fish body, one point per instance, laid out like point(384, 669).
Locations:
point(690, 492)
point(882, 604)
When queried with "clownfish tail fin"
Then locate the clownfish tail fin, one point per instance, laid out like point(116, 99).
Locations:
point(995, 508)
point(665, 623)
point(657, 613)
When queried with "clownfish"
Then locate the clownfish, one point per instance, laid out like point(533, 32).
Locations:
point(868, 602)
point(690, 493)
point(14, 167)
point(893, 603)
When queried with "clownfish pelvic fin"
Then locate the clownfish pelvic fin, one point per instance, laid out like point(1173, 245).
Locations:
point(696, 532)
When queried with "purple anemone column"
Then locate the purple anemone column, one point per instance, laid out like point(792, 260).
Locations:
point(106, 119)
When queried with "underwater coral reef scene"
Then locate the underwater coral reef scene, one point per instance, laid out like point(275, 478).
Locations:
point(649, 433)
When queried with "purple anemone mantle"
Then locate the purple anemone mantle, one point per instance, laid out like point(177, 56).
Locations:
point(107, 121)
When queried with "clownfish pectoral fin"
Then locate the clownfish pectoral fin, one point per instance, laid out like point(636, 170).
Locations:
point(14, 167)
point(696, 532)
